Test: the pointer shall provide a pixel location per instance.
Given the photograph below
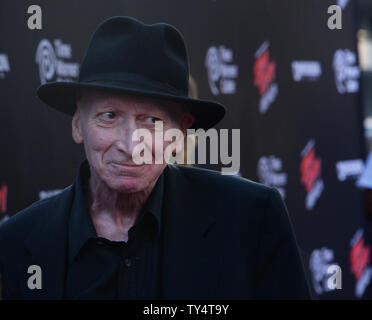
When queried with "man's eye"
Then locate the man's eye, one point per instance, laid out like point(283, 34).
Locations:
point(108, 115)
point(152, 119)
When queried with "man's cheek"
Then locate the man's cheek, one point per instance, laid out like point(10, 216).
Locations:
point(99, 140)
point(158, 150)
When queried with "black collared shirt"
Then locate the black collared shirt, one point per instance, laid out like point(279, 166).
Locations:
point(99, 268)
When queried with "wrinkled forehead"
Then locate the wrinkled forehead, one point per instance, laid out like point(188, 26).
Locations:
point(97, 99)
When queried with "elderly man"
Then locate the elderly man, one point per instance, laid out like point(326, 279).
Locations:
point(125, 230)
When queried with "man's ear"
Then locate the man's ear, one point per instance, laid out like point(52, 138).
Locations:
point(187, 120)
point(76, 127)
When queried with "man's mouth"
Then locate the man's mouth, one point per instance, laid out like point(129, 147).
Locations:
point(127, 166)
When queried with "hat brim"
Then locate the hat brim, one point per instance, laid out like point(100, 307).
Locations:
point(60, 95)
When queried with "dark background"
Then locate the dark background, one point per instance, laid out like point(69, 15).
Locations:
point(38, 153)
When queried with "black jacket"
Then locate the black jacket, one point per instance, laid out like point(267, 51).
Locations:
point(225, 237)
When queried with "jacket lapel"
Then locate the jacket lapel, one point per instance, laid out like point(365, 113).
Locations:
point(191, 259)
point(47, 245)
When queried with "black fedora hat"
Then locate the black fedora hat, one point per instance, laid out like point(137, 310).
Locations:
point(127, 56)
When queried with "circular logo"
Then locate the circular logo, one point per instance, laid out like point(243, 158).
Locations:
point(213, 65)
point(46, 59)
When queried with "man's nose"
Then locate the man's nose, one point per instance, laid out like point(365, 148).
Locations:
point(124, 141)
point(129, 136)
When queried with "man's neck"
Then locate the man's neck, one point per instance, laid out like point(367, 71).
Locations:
point(114, 213)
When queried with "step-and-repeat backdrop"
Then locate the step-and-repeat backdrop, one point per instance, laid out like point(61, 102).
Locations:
point(291, 85)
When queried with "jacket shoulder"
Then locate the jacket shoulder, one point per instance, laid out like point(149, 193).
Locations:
point(230, 185)
point(25, 220)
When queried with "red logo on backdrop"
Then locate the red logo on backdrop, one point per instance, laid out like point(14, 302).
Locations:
point(3, 196)
point(264, 72)
point(359, 258)
point(360, 255)
point(310, 169)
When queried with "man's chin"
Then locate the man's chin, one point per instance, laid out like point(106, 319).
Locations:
point(127, 187)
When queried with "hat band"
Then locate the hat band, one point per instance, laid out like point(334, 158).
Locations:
point(133, 78)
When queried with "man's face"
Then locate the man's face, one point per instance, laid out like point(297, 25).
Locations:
point(105, 123)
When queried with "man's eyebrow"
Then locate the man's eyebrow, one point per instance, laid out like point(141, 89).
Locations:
point(106, 105)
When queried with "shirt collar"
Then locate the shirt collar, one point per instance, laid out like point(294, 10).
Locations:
point(81, 227)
